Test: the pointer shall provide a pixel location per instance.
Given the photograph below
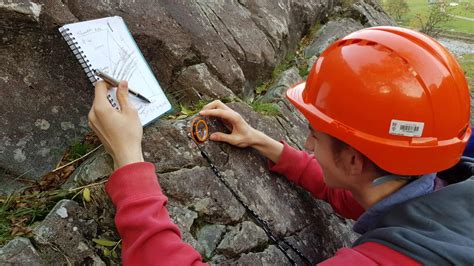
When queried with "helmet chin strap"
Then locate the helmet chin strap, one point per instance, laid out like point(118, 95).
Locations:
point(386, 178)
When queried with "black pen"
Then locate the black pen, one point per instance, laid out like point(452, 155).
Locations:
point(115, 83)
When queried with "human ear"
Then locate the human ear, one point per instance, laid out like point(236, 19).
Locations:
point(353, 161)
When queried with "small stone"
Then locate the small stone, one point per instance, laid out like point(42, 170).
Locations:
point(55, 109)
point(242, 238)
point(217, 260)
point(19, 251)
point(270, 256)
point(181, 215)
point(62, 212)
point(67, 125)
point(203, 205)
point(42, 124)
point(99, 164)
point(82, 247)
point(19, 155)
point(209, 236)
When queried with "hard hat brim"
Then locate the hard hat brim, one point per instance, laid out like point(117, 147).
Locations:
point(295, 96)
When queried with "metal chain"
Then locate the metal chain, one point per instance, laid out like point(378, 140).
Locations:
point(259, 220)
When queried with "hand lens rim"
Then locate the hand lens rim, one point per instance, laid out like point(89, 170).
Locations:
point(195, 132)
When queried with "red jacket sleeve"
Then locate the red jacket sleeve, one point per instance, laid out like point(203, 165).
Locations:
point(369, 254)
point(149, 237)
point(304, 170)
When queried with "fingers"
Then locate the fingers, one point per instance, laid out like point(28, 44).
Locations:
point(93, 123)
point(122, 95)
point(222, 137)
point(100, 97)
point(91, 118)
point(95, 127)
point(228, 115)
point(217, 104)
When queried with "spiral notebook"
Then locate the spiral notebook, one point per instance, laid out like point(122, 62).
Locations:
point(106, 44)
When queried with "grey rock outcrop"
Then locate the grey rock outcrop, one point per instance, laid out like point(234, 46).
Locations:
point(44, 102)
point(199, 83)
point(191, 45)
point(19, 251)
point(65, 235)
point(370, 13)
point(288, 78)
point(242, 239)
point(329, 33)
point(197, 187)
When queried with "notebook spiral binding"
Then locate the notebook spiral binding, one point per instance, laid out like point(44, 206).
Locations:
point(82, 58)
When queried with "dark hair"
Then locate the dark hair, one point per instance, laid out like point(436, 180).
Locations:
point(337, 146)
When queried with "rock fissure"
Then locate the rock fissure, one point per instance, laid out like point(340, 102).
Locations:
point(260, 27)
point(288, 134)
point(242, 50)
point(170, 170)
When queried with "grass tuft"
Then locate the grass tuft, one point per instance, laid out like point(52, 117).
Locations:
point(270, 109)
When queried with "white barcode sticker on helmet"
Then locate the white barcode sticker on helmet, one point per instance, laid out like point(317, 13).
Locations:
point(406, 128)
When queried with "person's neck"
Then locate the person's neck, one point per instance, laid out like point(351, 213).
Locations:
point(368, 195)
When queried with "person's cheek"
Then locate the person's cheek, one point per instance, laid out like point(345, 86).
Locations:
point(310, 144)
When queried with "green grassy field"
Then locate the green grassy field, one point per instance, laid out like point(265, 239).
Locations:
point(467, 64)
point(455, 25)
point(464, 9)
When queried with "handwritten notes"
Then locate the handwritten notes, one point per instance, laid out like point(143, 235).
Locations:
point(107, 44)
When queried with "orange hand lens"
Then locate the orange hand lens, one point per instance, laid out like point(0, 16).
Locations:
point(199, 129)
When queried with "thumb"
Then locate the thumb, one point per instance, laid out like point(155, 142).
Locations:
point(222, 137)
point(122, 94)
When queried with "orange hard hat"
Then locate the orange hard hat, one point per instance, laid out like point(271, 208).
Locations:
point(396, 95)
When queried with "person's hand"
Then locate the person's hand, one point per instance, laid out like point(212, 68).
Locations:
point(120, 131)
point(242, 134)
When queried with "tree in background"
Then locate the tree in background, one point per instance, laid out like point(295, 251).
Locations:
point(396, 8)
point(430, 24)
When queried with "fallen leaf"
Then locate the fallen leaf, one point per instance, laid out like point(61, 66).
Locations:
point(86, 194)
point(105, 242)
